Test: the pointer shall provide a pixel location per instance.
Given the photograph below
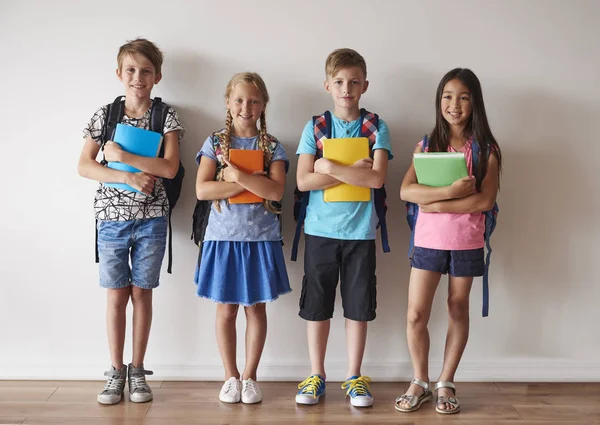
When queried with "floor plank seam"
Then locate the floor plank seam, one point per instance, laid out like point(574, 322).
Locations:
point(55, 390)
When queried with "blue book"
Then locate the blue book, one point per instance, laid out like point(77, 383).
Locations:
point(138, 142)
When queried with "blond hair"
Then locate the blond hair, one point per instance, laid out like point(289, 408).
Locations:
point(344, 58)
point(143, 47)
point(264, 140)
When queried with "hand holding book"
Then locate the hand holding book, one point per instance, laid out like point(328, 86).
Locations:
point(141, 182)
point(243, 161)
point(136, 141)
point(462, 187)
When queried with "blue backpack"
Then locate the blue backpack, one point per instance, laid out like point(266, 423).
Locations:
point(322, 129)
point(412, 212)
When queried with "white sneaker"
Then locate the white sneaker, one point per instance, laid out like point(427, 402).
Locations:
point(250, 392)
point(230, 392)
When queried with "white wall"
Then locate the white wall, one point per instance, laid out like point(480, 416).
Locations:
point(538, 62)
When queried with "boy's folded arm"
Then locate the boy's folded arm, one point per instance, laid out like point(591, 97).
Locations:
point(307, 179)
point(371, 177)
point(89, 168)
point(207, 189)
point(165, 167)
point(267, 187)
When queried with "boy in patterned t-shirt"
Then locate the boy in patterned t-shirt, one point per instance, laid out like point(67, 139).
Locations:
point(131, 223)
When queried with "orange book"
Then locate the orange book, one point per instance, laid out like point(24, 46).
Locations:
point(249, 161)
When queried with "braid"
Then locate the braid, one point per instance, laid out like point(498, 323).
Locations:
point(225, 145)
point(264, 144)
point(227, 135)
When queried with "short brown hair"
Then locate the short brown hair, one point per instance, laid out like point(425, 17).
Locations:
point(143, 47)
point(344, 58)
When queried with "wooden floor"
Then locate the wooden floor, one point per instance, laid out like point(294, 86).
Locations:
point(194, 403)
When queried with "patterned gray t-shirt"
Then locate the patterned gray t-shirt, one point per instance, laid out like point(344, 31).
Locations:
point(242, 222)
point(119, 205)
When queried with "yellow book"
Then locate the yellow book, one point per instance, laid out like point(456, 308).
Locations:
point(346, 152)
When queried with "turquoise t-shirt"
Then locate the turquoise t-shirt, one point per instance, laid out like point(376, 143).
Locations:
point(341, 220)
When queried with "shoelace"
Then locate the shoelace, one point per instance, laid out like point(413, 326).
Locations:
point(229, 385)
point(138, 382)
point(357, 386)
point(113, 384)
point(250, 385)
point(310, 385)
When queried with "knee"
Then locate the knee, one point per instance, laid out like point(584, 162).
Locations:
point(227, 312)
point(458, 309)
point(417, 318)
point(256, 312)
point(141, 296)
point(118, 299)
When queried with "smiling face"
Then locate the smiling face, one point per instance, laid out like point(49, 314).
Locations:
point(455, 104)
point(245, 103)
point(138, 76)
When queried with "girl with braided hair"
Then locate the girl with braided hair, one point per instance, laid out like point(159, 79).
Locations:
point(241, 261)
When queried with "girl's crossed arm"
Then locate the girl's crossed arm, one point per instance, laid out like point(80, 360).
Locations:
point(477, 202)
point(412, 191)
point(207, 189)
point(269, 187)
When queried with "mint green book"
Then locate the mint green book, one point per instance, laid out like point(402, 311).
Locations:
point(440, 169)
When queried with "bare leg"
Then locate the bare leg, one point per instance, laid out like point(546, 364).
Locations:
point(459, 290)
point(116, 305)
point(142, 321)
point(421, 289)
point(356, 339)
point(256, 334)
point(226, 337)
point(318, 333)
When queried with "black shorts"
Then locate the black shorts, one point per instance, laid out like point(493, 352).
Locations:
point(353, 263)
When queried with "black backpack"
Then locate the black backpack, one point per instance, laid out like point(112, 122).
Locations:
point(158, 117)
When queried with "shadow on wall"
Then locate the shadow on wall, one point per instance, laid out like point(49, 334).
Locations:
point(408, 122)
point(544, 210)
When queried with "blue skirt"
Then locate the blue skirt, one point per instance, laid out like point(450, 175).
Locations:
point(245, 273)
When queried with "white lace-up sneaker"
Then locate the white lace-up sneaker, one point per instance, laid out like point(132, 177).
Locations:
point(230, 392)
point(250, 392)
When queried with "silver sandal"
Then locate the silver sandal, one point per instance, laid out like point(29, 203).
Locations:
point(452, 401)
point(414, 401)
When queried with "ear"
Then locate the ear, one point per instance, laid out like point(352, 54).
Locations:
point(157, 78)
point(326, 85)
point(119, 75)
point(365, 87)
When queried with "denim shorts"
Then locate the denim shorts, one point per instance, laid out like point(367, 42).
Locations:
point(463, 263)
point(143, 240)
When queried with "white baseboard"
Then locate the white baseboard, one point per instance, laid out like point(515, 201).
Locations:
point(509, 371)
